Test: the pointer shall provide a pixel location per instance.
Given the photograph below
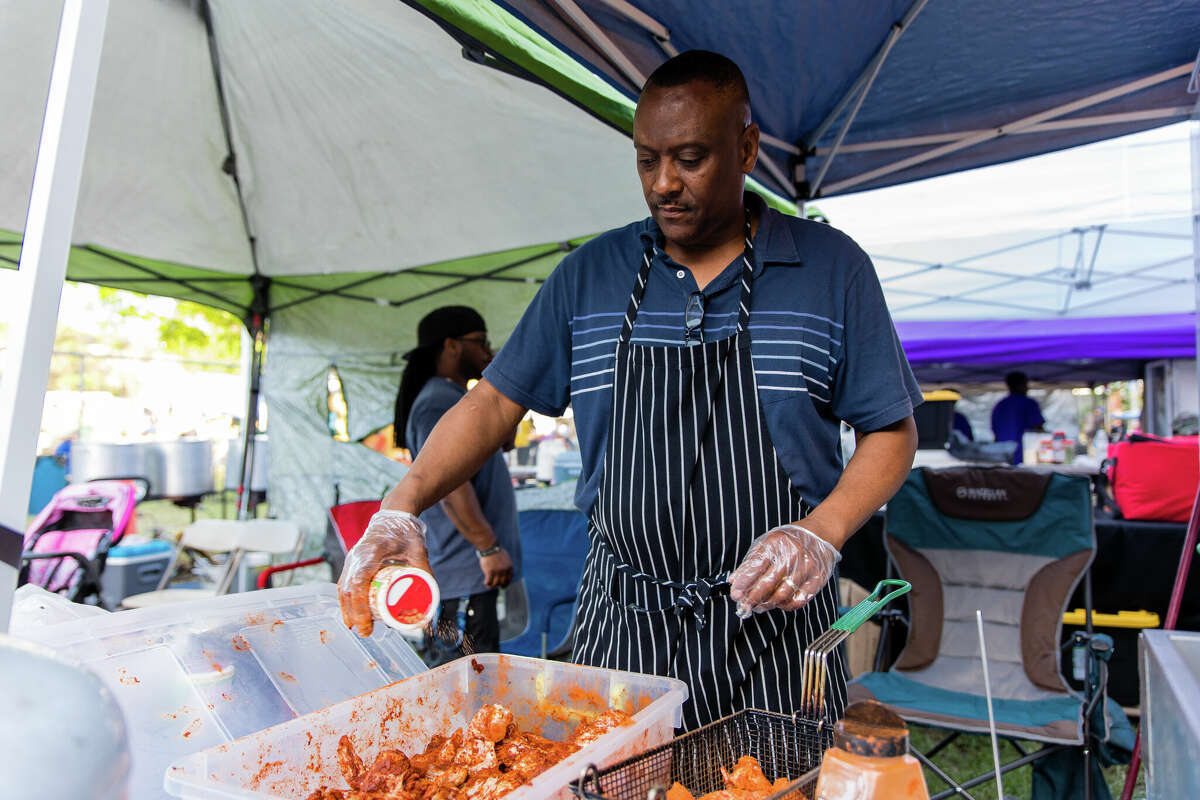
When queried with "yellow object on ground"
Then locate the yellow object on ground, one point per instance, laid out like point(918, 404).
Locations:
point(1122, 619)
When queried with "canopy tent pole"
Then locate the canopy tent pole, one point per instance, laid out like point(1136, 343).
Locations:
point(256, 327)
point(865, 77)
point(598, 39)
point(256, 320)
point(652, 26)
point(1073, 123)
point(869, 74)
point(43, 265)
point(1185, 561)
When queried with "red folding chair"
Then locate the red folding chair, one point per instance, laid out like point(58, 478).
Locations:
point(345, 524)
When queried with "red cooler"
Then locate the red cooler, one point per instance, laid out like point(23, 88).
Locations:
point(1153, 478)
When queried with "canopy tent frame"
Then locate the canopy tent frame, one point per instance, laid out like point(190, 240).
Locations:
point(492, 274)
point(158, 276)
point(1041, 127)
point(858, 93)
point(1015, 126)
point(1089, 278)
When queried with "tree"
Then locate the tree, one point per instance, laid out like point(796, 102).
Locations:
point(188, 330)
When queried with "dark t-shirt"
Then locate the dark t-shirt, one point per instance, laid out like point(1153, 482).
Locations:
point(1014, 415)
point(823, 343)
point(452, 557)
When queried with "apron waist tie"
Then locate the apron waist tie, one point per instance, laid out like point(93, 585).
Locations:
point(691, 596)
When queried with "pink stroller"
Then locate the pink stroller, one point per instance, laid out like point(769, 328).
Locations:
point(66, 546)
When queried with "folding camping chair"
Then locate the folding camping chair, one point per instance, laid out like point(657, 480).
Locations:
point(1014, 543)
point(554, 544)
point(235, 537)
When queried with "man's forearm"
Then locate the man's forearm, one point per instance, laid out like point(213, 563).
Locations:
point(464, 438)
point(881, 461)
point(463, 509)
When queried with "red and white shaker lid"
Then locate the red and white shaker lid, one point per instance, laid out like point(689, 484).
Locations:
point(404, 598)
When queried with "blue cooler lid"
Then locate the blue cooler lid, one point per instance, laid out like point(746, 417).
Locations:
point(153, 547)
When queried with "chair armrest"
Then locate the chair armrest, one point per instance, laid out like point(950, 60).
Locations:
point(264, 577)
point(540, 621)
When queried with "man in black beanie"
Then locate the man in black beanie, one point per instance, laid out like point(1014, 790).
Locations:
point(474, 549)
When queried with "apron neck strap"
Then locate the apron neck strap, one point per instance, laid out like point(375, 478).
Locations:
point(639, 288)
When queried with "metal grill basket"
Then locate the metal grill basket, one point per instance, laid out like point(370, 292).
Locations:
point(786, 747)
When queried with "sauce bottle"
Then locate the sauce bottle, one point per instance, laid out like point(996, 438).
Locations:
point(869, 759)
point(404, 598)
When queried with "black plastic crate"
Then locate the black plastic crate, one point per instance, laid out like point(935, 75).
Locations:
point(785, 747)
point(935, 420)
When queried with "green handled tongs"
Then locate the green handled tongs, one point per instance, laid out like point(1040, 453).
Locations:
point(816, 655)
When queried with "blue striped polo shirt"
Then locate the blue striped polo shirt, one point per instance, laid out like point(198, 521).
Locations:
point(823, 344)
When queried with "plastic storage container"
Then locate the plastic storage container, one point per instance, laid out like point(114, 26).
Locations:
point(1170, 713)
point(935, 419)
point(192, 675)
point(133, 569)
point(293, 759)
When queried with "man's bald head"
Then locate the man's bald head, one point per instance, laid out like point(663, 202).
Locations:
point(703, 65)
point(695, 146)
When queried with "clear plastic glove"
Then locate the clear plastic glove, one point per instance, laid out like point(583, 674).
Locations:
point(783, 569)
point(392, 537)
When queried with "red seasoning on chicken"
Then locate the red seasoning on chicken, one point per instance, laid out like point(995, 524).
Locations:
point(487, 761)
point(744, 782)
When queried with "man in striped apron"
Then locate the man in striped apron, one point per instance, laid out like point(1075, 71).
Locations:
point(708, 562)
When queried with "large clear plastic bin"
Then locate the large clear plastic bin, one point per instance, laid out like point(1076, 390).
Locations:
point(550, 698)
point(1170, 672)
point(191, 675)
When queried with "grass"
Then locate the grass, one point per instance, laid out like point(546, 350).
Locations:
point(163, 516)
point(969, 755)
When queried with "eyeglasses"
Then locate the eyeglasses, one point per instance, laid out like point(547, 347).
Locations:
point(482, 341)
point(693, 317)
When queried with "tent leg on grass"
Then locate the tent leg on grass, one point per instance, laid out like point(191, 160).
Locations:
point(43, 264)
point(1189, 541)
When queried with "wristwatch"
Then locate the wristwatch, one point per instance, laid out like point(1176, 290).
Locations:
point(491, 551)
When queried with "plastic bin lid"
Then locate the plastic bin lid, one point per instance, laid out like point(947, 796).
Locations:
point(193, 675)
point(155, 547)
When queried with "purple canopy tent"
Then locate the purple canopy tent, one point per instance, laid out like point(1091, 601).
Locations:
point(1082, 349)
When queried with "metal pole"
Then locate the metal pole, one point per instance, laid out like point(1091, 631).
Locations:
point(45, 249)
point(82, 389)
point(250, 422)
point(1189, 541)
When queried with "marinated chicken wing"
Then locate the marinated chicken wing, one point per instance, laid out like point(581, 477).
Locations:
point(486, 761)
point(491, 723)
point(679, 792)
point(746, 775)
point(387, 774)
point(349, 762)
point(597, 726)
point(477, 755)
point(745, 781)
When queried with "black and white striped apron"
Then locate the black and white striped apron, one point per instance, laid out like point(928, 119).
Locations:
point(690, 479)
